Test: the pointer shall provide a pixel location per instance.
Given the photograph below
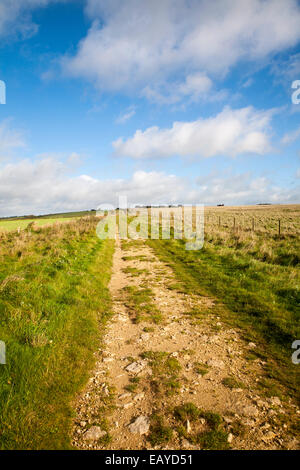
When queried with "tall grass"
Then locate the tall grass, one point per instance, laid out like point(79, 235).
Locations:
point(54, 303)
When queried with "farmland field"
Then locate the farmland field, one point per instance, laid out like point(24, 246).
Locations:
point(11, 225)
point(196, 343)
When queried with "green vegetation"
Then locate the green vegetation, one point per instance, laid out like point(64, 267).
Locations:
point(207, 427)
point(165, 370)
point(134, 383)
point(185, 412)
point(231, 382)
point(201, 368)
point(140, 304)
point(54, 296)
point(11, 225)
point(148, 329)
point(14, 223)
point(159, 433)
point(134, 272)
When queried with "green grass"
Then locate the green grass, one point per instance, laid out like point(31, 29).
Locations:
point(231, 383)
point(134, 383)
point(11, 225)
point(139, 301)
point(134, 272)
point(185, 412)
point(159, 433)
point(165, 369)
point(53, 308)
point(201, 368)
point(210, 435)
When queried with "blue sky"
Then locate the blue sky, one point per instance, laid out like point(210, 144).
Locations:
point(179, 101)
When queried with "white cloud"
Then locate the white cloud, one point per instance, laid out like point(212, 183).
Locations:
point(288, 70)
point(231, 132)
point(244, 189)
point(196, 86)
point(229, 189)
point(298, 173)
point(290, 137)
point(44, 186)
point(10, 139)
point(128, 114)
point(15, 16)
point(145, 46)
point(248, 83)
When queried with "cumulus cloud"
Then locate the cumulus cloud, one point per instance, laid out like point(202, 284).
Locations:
point(44, 186)
point(142, 46)
point(231, 132)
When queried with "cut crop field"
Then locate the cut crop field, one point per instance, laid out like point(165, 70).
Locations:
point(142, 344)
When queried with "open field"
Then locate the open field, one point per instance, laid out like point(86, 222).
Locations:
point(15, 223)
point(196, 344)
point(11, 225)
point(262, 219)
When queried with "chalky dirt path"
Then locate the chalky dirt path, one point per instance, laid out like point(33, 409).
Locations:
point(130, 398)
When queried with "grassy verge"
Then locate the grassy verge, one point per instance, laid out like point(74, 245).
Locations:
point(54, 297)
point(257, 296)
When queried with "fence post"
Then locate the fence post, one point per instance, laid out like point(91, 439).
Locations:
point(279, 227)
point(252, 224)
point(219, 221)
point(233, 222)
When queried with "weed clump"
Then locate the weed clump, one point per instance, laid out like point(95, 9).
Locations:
point(231, 382)
point(206, 428)
point(165, 370)
point(159, 433)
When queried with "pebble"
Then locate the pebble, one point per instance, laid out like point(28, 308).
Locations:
point(188, 426)
point(140, 426)
point(124, 395)
point(215, 363)
point(139, 396)
point(127, 405)
point(136, 367)
point(275, 401)
point(93, 434)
